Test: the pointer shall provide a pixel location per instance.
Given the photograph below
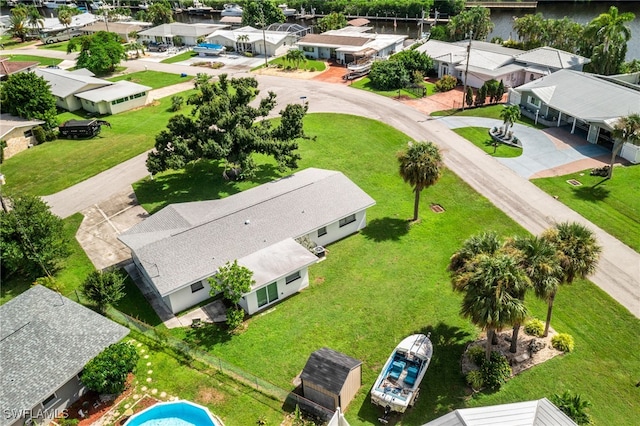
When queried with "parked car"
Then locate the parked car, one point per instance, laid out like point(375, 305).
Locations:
point(157, 47)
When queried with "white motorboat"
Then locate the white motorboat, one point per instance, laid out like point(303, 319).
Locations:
point(287, 10)
point(398, 384)
point(361, 65)
point(55, 4)
point(98, 5)
point(208, 49)
point(231, 9)
point(199, 9)
point(143, 5)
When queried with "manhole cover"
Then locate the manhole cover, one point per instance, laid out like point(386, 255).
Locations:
point(574, 182)
point(437, 208)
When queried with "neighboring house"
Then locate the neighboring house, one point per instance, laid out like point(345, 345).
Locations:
point(123, 29)
point(121, 96)
point(45, 342)
point(487, 61)
point(178, 248)
point(530, 413)
point(65, 85)
point(331, 379)
point(586, 103)
point(188, 34)
point(249, 39)
point(350, 43)
point(17, 133)
point(9, 67)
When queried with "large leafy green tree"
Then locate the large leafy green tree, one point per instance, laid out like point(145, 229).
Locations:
point(605, 40)
point(535, 31)
point(225, 127)
point(475, 21)
point(389, 75)
point(261, 14)
point(104, 288)
point(578, 252)
point(332, 21)
point(626, 130)
point(32, 239)
point(28, 96)
point(160, 12)
point(420, 165)
point(100, 53)
point(413, 60)
point(107, 372)
point(233, 280)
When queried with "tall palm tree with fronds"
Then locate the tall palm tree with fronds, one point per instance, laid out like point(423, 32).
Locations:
point(486, 243)
point(539, 260)
point(420, 166)
point(578, 252)
point(241, 42)
point(17, 27)
point(626, 130)
point(295, 56)
point(65, 17)
point(608, 35)
point(510, 114)
point(34, 19)
point(491, 286)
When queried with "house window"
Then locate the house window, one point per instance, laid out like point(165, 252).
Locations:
point(267, 294)
point(197, 286)
point(322, 231)
point(28, 133)
point(347, 220)
point(291, 278)
point(531, 77)
point(308, 49)
point(533, 101)
point(49, 400)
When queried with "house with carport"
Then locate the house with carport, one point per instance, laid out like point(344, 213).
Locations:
point(253, 40)
point(586, 104)
point(178, 34)
point(121, 96)
point(17, 133)
point(123, 29)
point(177, 249)
point(45, 341)
point(64, 85)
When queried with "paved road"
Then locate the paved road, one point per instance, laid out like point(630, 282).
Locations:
point(619, 270)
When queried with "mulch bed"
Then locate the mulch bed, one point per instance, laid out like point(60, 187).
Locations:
point(145, 402)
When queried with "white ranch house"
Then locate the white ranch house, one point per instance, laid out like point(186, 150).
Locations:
point(189, 34)
point(489, 61)
point(178, 248)
point(349, 43)
point(121, 96)
point(249, 39)
point(588, 104)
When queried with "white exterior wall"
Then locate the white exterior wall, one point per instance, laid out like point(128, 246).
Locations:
point(249, 302)
point(335, 232)
point(127, 105)
point(70, 103)
point(184, 298)
point(630, 152)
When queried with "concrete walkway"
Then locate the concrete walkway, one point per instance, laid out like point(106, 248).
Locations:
point(618, 272)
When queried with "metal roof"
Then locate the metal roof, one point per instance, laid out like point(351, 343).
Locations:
point(553, 58)
point(9, 122)
point(328, 369)
point(530, 413)
point(187, 242)
point(119, 89)
point(584, 95)
point(64, 83)
point(184, 30)
point(254, 35)
point(332, 40)
point(45, 340)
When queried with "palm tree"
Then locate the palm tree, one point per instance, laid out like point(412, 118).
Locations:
point(626, 129)
point(241, 42)
point(485, 243)
point(17, 27)
point(34, 19)
point(420, 166)
point(295, 56)
point(510, 114)
point(539, 260)
point(578, 252)
point(489, 293)
point(608, 34)
point(65, 16)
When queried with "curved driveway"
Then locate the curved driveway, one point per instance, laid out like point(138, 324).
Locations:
point(618, 272)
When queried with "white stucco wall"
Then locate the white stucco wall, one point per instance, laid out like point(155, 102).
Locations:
point(335, 232)
point(631, 153)
point(249, 302)
point(184, 298)
point(127, 105)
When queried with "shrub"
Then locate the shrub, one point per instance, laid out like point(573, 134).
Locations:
point(234, 318)
point(475, 379)
point(476, 354)
point(312, 69)
point(496, 372)
point(446, 83)
point(248, 54)
point(573, 406)
point(534, 327)
point(68, 422)
point(39, 134)
point(563, 342)
point(176, 103)
point(107, 372)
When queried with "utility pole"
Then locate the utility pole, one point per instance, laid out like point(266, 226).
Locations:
point(466, 70)
point(264, 36)
point(421, 24)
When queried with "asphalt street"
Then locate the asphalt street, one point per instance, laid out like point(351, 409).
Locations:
point(618, 272)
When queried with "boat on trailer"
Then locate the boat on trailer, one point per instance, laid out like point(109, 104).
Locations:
point(398, 385)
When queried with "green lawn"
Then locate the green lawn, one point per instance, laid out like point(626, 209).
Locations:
point(613, 205)
point(310, 63)
point(180, 57)
point(9, 42)
point(153, 79)
point(489, 111)
point(61, 46)
point(365, 84)
point(390, 280)
point(28, 58)
point(54, 166)
point(480, 137)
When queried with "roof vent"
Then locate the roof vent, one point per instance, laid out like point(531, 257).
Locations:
point(246, 222)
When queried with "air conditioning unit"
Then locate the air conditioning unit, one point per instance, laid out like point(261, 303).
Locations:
point(319, 251)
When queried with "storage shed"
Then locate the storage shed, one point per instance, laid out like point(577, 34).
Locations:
point(331, 378)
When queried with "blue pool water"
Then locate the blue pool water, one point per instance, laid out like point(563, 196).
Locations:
point(179, 413)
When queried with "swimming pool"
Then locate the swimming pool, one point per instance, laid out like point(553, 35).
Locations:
point(178, 413)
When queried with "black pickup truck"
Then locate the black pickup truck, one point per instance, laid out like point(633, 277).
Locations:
point(76, 129)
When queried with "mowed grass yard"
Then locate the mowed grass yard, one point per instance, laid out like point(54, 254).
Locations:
point(390, 281)
point(365, 84)
point(153, 79)
point(479, 136)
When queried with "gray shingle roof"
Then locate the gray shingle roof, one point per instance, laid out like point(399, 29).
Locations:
point(45, 340)
point(529, 413)
point(187, 242)
point(328, 369)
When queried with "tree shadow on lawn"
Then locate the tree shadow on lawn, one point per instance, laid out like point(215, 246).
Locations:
point(386, 228)
point(442, 389)
point(200, 181)
point(591, 193)
point(207, 336)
